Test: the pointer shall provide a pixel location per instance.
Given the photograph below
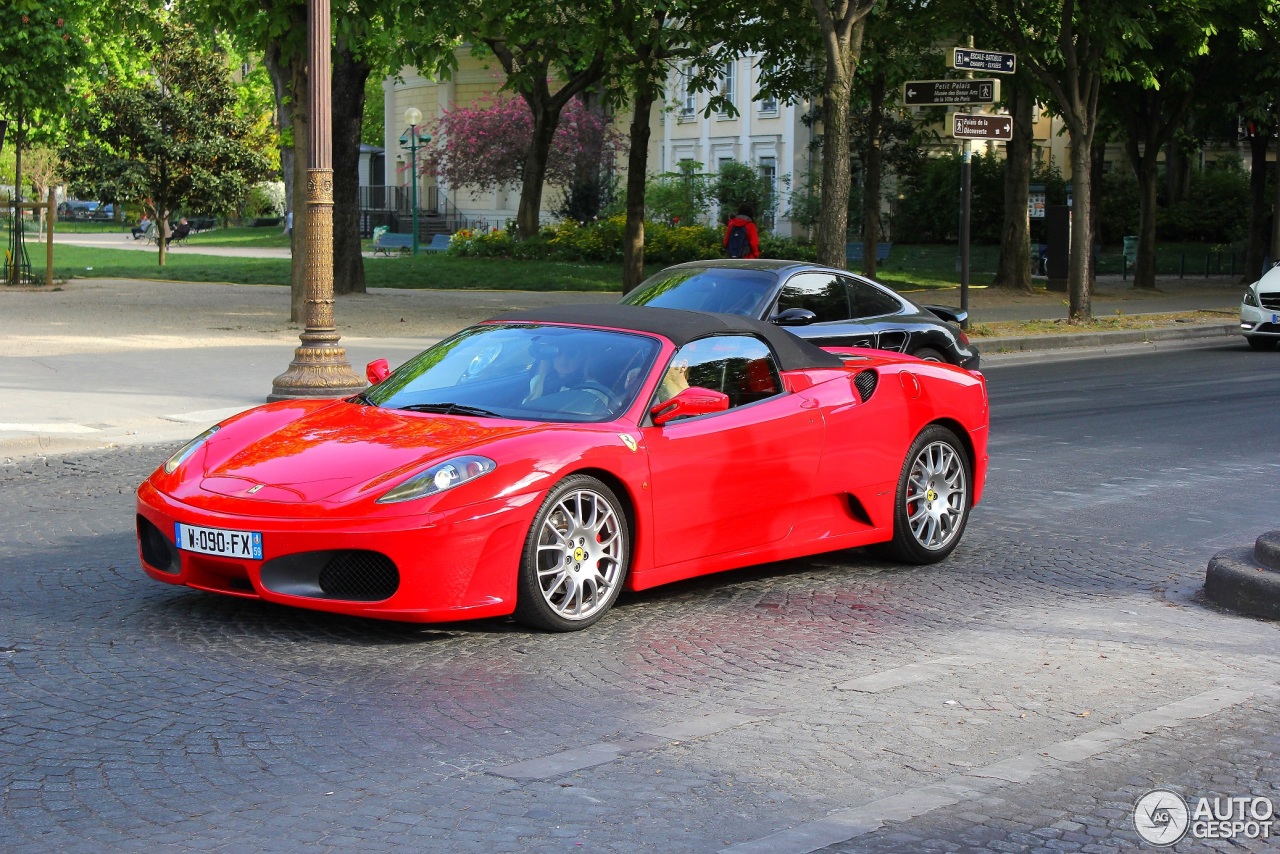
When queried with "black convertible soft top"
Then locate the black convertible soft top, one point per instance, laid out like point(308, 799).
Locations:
point(681, 327)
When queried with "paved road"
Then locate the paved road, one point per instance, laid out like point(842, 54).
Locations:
point(1020, 696)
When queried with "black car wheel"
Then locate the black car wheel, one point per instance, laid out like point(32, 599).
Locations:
point(575, 557)
point(928, 354)
point(1260, 344)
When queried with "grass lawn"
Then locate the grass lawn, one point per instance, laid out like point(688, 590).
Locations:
point(424, 271)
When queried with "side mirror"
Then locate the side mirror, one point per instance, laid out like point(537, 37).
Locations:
point(794, 317)
point(690, 402)
point(377, 371)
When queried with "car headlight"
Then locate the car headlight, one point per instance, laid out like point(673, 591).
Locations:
point(440, 477)
point(188, 449)
point(1250, 298)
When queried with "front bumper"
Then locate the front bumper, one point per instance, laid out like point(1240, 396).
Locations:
point(1260, 322)
point(451, 565)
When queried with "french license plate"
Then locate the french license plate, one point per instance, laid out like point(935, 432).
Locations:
point(217, 541)
point(1275, 318)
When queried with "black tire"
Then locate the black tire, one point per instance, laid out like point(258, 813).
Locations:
point(928, 354)
point(577, 550)
point(929, 530)
point(1260, 344)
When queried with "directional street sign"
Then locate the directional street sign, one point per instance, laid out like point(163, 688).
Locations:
point(935, 93)
point(981, 127)
point(990, 61)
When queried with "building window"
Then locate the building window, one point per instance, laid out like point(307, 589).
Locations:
point(688, 98)
point(767, 105)
point(768, 167)
point(727, 88)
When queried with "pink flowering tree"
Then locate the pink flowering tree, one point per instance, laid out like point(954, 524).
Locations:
point(484, 146)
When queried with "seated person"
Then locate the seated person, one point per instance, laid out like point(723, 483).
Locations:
point(180, 232)
point(674, 381)
point(566, 369)
point(141, 228)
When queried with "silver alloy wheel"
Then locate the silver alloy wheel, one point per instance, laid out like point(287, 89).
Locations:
point(937, 495)
point(580, 554)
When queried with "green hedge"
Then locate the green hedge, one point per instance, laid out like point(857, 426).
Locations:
point(601, 240)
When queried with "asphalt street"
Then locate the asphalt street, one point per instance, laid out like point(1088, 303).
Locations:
point(1020, 696)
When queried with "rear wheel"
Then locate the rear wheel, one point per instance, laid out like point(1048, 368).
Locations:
point(928, 354)
point(932, 504)
point(1260, 343)
point(575, 557)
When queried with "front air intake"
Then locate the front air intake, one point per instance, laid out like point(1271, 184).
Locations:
point(865, 382)
point(360, 576)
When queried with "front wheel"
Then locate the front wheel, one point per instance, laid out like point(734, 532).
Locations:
point(575, 557)
point(933, 499)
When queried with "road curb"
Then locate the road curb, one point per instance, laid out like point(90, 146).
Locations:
point(1247, 579)
point(1083, 345)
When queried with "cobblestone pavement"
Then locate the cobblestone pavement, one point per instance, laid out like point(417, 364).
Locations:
point(1019, 696)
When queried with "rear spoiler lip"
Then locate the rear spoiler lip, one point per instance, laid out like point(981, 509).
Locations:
point(954, 315)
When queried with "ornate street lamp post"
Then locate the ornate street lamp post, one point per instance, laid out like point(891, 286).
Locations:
point(319, 367)
point(410, 139)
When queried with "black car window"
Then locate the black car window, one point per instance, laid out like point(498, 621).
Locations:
point(740, 366)
point(720, 289)
point(821, 293)
point(868, 300)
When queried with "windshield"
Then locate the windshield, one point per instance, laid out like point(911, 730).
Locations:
point(727, 291)
point(521, 371)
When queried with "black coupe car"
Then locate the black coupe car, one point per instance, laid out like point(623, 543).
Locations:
point(823, 305)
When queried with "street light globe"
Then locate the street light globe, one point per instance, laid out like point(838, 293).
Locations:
point(412, 116)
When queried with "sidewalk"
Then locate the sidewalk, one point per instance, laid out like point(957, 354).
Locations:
point(103, 362)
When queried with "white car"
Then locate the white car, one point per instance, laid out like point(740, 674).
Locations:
point(1260, 311)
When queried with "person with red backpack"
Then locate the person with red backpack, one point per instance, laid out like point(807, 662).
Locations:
point(741, 240)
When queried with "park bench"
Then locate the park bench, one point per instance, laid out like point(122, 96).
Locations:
point(439, 243)
point(853, 252)
point(385, 241)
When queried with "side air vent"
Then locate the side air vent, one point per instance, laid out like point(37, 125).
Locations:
point(865, 382)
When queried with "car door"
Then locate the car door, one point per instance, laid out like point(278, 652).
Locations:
point(730, 480)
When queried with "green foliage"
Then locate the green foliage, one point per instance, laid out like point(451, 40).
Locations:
point(682, 197)
point(1216, 209)
point(741, 184)
point(174, 140)
point(601, 241)
point(929, 210)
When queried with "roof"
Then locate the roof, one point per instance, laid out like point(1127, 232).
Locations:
point(681, 327)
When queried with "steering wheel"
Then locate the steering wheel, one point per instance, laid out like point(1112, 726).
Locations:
point(601, 391)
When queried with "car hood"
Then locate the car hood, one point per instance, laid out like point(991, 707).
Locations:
point(344, 449)
point(1270, 281)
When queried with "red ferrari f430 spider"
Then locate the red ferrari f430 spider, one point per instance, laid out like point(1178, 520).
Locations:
point(538, 463)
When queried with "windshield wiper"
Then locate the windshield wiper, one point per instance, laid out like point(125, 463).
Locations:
point(450, 409)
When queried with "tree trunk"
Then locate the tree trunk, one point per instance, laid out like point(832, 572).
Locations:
point(282, 85)
point(872, 170)
point(1258, 144)
point(1144, 268)
point(349, 77)
point(637, 167)
point(534, 174)
point(298, 201)
point(1078, 280)
point(833, 218)
point(1014, 268)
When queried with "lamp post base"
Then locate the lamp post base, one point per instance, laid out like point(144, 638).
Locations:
point(319, 369)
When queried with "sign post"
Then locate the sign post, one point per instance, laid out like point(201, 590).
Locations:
point(941, 93)
point(988, 61)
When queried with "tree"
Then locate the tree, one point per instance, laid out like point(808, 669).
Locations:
point(484, 146)
point(1013, 269)
point(1151, 101)
point(1073, 46)
point(172, 140)
point(550, 53)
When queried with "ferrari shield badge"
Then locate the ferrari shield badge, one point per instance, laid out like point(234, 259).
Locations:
point(628, 441)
